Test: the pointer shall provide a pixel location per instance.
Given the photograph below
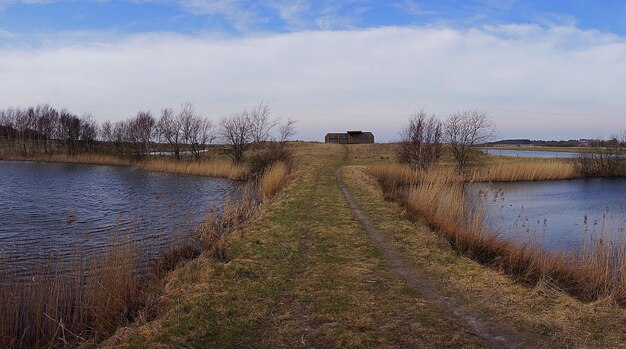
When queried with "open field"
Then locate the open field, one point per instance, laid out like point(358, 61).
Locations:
point(304, 273)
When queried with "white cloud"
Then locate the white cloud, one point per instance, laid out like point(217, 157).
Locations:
point(291, 11)
point(413, 8)
point(536, 82)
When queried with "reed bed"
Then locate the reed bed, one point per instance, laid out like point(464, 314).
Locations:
point(94, 159)
point(68, 302)
point(596, 270)
point(393, 175)
point(525, 170)
point(209, 168)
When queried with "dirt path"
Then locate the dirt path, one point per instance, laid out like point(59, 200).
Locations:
point(494, 336)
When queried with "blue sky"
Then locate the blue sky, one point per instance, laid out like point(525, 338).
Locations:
point(541, 69)
point(239, 17)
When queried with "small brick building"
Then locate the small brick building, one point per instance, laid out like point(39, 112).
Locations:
point(350, 137)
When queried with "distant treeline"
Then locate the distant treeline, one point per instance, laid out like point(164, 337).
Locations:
point(552, 143)
point(46, 130)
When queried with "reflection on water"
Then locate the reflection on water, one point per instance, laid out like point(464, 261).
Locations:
point(556, 214)
point(49, 209)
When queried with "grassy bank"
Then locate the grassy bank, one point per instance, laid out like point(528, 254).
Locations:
point(204, 167)
point(438, 198)
point(303, 273)
point(81, 298)
point(547, 315)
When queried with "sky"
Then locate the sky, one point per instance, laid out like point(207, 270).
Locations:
point(540, 69)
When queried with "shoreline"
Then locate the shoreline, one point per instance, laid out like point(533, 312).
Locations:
point(220, 168)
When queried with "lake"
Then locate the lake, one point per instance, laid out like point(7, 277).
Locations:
point(529, 153)
point(52, 209)
point(556, 214)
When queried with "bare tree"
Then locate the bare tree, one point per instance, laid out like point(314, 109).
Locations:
point(236, 132)
point(88, 132)
point(464, 131)
point(140, 131)
point(260, 124)
point(120, 136)
point(7, 123)
point(197, 131)
point(68, 130)
point(24, 121)
point(286, 130)
point(170, 129)
point(420, 141)
point(47, 124)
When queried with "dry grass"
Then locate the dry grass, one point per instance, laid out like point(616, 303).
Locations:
point(596, 271)
point(394, 175)
point(525, 170)
point(94, 159)
point(214, 231)
point(84, 298)
point(210, 168)
point(272, 180)
point(69, 301)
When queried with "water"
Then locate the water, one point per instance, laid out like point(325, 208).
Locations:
point(530, 153)
point(555, 214)
point(50, 209)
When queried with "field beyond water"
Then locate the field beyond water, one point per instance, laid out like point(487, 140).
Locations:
point(328, 262)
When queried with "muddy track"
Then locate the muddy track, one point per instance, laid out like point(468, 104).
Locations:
point(494, 336)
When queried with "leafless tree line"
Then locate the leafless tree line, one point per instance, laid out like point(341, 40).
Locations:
point(421, 140)
point(48, 130)
point(43, 129)
point(252, 128)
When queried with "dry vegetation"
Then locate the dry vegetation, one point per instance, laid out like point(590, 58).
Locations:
point(94, 159)
point(80, 298)
point(304, 273)
point(210, 168)
point(67, 301)
point(525, 170)
point(439, 198)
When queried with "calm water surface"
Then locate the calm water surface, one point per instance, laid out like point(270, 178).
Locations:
point(530, 153)
point(52, 209)
point(557, 214)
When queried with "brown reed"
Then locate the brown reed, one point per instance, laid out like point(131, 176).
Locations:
point(439, 198)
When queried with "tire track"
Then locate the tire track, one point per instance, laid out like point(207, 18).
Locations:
point(494, 336)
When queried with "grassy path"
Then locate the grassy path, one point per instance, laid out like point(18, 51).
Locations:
point(496, 336)
point(305, 274)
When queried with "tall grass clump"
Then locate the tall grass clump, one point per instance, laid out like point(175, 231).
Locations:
point(272, 180)
point(596, 270)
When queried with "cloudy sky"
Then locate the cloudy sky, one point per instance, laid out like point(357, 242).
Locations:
point(541, 69)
